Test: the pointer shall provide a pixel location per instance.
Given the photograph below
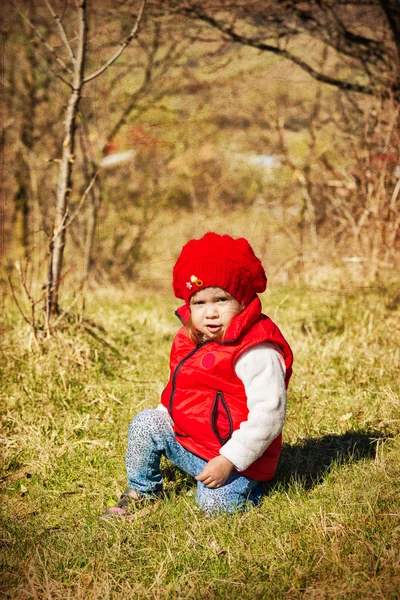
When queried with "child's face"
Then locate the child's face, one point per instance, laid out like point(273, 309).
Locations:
point(212, 310)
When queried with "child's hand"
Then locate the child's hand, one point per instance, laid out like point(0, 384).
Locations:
point(216, 472)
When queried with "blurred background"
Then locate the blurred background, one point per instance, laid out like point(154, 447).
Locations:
point(276, 121)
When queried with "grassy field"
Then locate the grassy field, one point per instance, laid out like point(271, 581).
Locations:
point(328, 525)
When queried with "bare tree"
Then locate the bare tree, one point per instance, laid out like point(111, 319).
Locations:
point(73, 75)
point(363, 37)
point(66, 165)
point(351, 200)
point(161, 52)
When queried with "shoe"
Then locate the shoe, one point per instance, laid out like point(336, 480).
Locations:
point(127, 501)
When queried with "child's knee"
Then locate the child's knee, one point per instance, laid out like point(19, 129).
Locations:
point(149, 421)
point(213, 508)
point(215, 501)
point(227, 499)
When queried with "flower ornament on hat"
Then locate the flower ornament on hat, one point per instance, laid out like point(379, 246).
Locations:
point(194, 281)
point(219, 261)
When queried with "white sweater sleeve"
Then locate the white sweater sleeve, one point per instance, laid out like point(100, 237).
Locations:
point(262, 370)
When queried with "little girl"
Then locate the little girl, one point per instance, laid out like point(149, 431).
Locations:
point(223, 409)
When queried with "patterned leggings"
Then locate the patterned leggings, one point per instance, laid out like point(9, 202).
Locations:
point(151, 436)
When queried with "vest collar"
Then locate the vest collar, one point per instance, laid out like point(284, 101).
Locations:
point(237, 326)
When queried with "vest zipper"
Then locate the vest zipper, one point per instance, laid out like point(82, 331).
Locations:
point(171, 398)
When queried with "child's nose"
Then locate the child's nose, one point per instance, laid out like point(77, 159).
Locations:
point(211, 310)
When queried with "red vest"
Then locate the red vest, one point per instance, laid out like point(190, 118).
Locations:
point(205, 397)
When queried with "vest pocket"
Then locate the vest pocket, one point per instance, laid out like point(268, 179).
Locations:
point(220, 411)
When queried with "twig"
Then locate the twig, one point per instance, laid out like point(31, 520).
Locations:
point(17, 303)
point(65, 225)
point(33, 302)
point(23, 277)
point(396, 222)
point(7, 479)
point(231, 34)
point(122, 48)
point(394, 196)
point(50, 68)
point(61, 29)
point(142, 381)
point(46, 44)
point(58, 282)
point(65, 312)
point(82, 200)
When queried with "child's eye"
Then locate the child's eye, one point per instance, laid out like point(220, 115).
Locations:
point(197, 302)
point(222, 299)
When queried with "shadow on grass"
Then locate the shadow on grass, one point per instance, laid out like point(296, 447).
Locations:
point(310, 460)
point(307, 462)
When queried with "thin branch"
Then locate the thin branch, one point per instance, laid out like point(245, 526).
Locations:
point(246, 41)
point(122, 47)
point(65, 313)
point(64, 224)
point(61, 29)
point(82, 200)
point(150, 79)
point(17, 303)
point(46, 44)
point(50, 68)
point(339, 37)
point(392, 14)
point(394, 197)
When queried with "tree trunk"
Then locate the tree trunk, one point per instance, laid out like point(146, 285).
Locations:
point(66, 166)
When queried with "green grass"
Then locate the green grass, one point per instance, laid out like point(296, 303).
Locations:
point(328, 525)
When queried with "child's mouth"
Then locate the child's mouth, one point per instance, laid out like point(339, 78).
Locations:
point(213, 328)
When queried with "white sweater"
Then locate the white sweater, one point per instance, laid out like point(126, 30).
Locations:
point(262, 371)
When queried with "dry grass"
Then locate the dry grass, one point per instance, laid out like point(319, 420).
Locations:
point(328, 526)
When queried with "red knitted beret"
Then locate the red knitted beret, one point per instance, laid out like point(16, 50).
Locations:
point(219, 261)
